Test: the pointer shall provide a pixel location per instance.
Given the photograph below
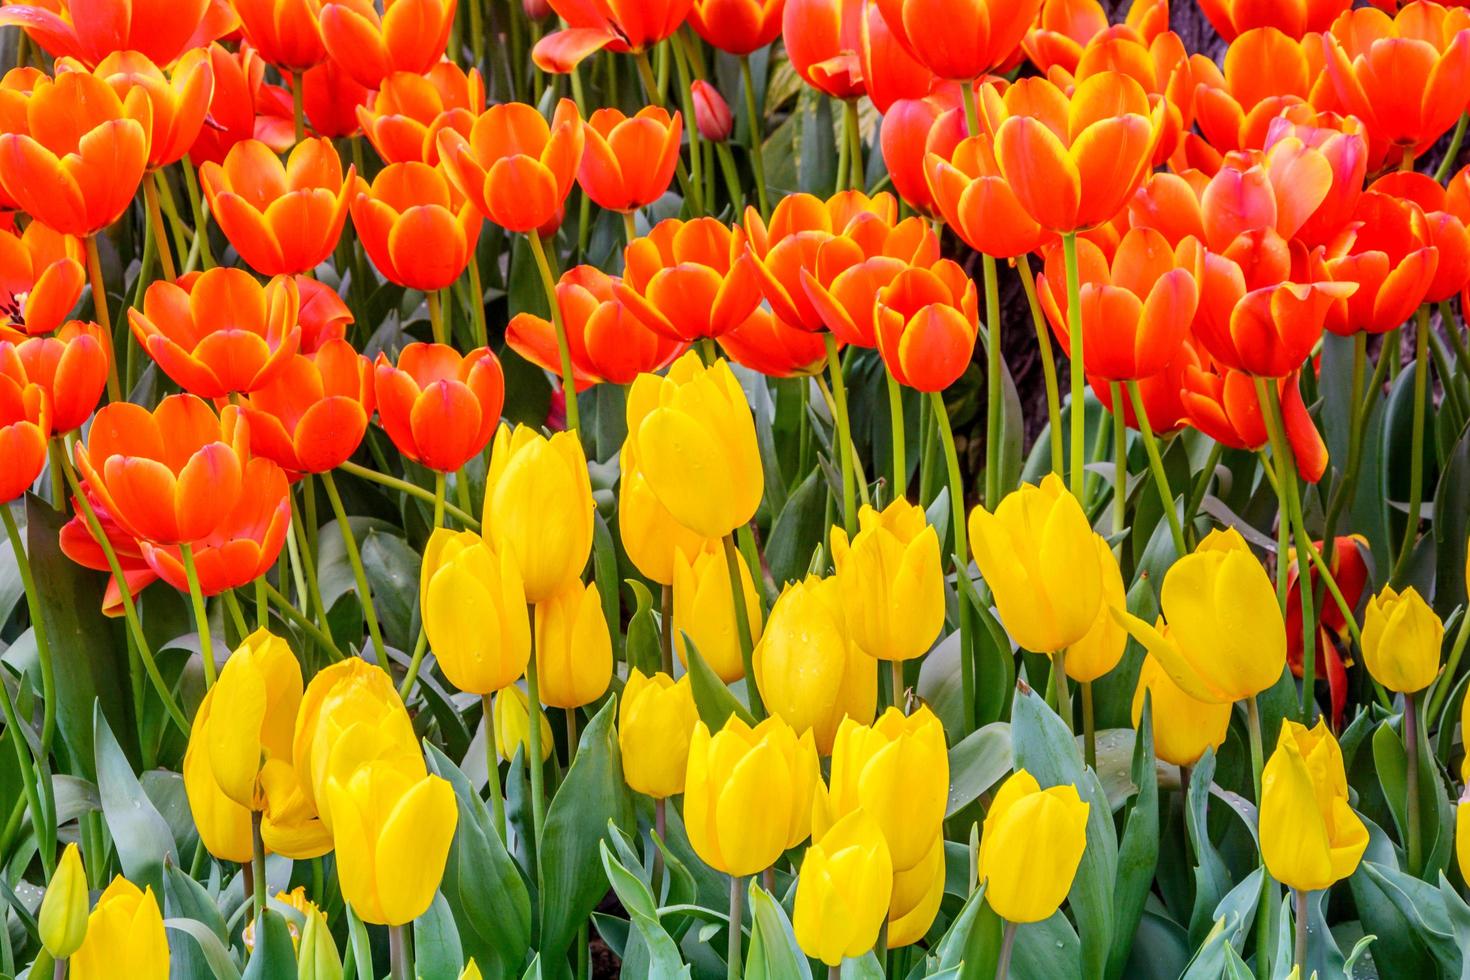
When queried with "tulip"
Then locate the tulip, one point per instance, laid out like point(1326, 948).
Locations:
point(807, 667)
point(1265, 72)
point(656, 719)
point(438, 407)
point(409, 36)
point(975, 199)
point(1161, 394)
point(159, 30)
point(78, 154)
point(694, 435)
point(1310, 836)
point(224, 826)
point(416, 229)
point(16, 88)
point(285, 32)
point(629, 160)
point(1343, 143)
point(704, 609)
point(313, 416)
point(738, 26)
point(238, 76)
point(926, 323)
point(290, 825)
point(1036, 552)
point(249, 715)
point(78, 544)
point(393, 835)
point(283, 219)
point(324, 317)
point(70, 368)
point(1183, 726)
point(514, 167)
point(512, 725)
point(1446, 229)
point(1226, 639)
point(41, 276)
point(1102, 646)
point(889, 71)
point(316, 953)
point(1030, 846)
point(687, 280)
point(843, 892)
point(773, 347)
point(471, 971)
point(62, 920)
point(474, 611)
point(1389, 252)
point(823, 40)
point(179, 99)
point(536, 484)
point(1065, 28)
point(619, 26)
point(1402, 637)
point(977, 36)
point(402, 121)
point(712, 116)
point(125, 937)
point(917, 893)
point(891, 581)
point(748, 793)
point(573, 647)
point(1296, 18)
point(650, 535)
point(1225, 405)
point(909, 126)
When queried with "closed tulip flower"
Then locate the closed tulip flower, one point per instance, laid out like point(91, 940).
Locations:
point(316, 953)
point(1296, 18)
point(807, 667)
point(694, 436)
point(690, 279)
point(1226, 639)
point(980, 35)
point(125, 937)
point(71, 368)
point(573, 646)
point(769, 345)
point(417, 230)
point(926, 322)
point(656, 719)
point(712, 114)
point(843, 892)
point(1036, 552)
point(474, 610)
point(439, 407)
point(704, 609)
point(650, 535)
point(917, 893)
point(313, 416)
point(538, 507)
point(250, 715)
point(823, 40)
point(287, 33)
point(908, 127)
point(409, 36)
point(748, 793)
point(402, 120)
point(1183, 726)
point(41, 279)
point(62, 920)
point(737, 26)
point(512, 725)
point(393, 835)
point(892, 584)
point(1310, 836)
point(629, 160)
point(1030, 846)
point(1102, 646)
point(224, 826)
point(25, 428)
point(1402, 637)
point(513, 166)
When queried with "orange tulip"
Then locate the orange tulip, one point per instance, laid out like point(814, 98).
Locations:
point(312, 417)
point(1222, 403)
point(1266, 72)
point(25, 429)
point(913, 128)
point(628, 162)
point(690, 279)
point(607, 340)
point(409, 36)
point(514, 167)
point(323, 317)
point(403, 119)
point(1064, 27)
point(237, 78)
point(1446, 229)
point(889, 70)
point(287, 33)
point(774, 348)
point(41, 279)
point(78, 545)
point(927, 321)
point(1161, 65)
point(616, 25)
point(283, 219)
point(416, 228)
point(70, 368)
point(1388, 251)
point(174, 474)
point(159, 30)
point(1343, 144)
point(1296, 18)
point(16, 87)
point(712, 115)
point(330, 99)
point(1405, 76)
point(737, 26)
point(1073, 162)
point(438, 407)
point(1161, 394)
point(978, 203)
point(823, 40)
point(179, 99)
point(960, 39)
point(76, 162)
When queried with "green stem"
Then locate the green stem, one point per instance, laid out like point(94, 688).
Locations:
point(298, 110)
point(732, 177)
point(737, 915)
point(1263, 907)
point(686, 99)
point(492, 766)
point(359, 574)
point(534, 762)
point(972, 117)
point(993, 383)
point(1452, 154)
point(1120, 464)
point(1411, 785)
point(436, 317)
point(201, 614)
point(854, 128)
point(961, 552)
point(844, 435)
point(477, 301)
point(900, 454)
point(1007, 944)
point(477, 31)
point(1300, 954)
point(1416, 452)
point(630, 227)
point(548, 283)
point(38, 628)
point(285, 608)
point(257, 865)
point(439, 502)
point(104, 316)
point(742, 627)
point(1064, 694)
point(1089, 729)
point(171, 212)
point(412, 489)
point(1048, 365)
point(1075, 353)
point(655, 94)
point(160, 232)
point(411, 676)
point(201, 220)
point(1202, 486)
point(757, 135)
point(232, 605)
point(400, 957)
point(1156, 464)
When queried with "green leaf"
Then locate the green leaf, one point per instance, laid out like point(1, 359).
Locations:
point(773, 953)
point(275, 955)
point(1451, 527)
point(1381, 907)
point(437, 950)
point(215, 954)
point(1211, 876)
point(715, 701)
point(798, 530)
point(980, 760)
point(141, 835)
point(392, 569)
point(605, 572)
point(664, 961)
point(644, 649)
point(1138, 853)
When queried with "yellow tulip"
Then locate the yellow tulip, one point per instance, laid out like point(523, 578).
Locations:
point(538, 507)
point(807, 668)
point(223, 824)
point(650, 535)
point(843, 891)
point(1226, 639)
point(1310, 836)
point(694, 436)
point(573, 647)
point(62, 921)
point(125, 937)
point(1030, 846)
point(393, 835)
point(250, 713)
point(917, 893)
point(316, 954)
point(1462, 835)
point(892, 583)
point(1183, 726)
point(1102, 647)
point(296, 900)
point(471, 971)
point(1401, 640)
point(748, 793)
point(290, 825)
point(704, 608)
point(1037, 554)
point(474, 610)
point(512, 725)
point(656, 719)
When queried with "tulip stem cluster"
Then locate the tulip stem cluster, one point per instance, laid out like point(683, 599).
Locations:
point(1156, 466)
point(844, 434)
point(548, 283)
point(359, 573)
point(39, 628)
point(1416, 451)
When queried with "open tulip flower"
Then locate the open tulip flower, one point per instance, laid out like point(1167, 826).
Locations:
point(1266, 71)
point(416, 228)
point(409, 36)
point(1388, 252)
point(403, 118)
point(690, 279)
point(770, 345)
point(180, 99)
point(615, 25)
point(41, 274)
point(313, 415)
point(1225, 404)
point(159, 30)
point(438, 407)
point(71, 368)
point(238, 76)
point(515, 167)
point(25, 427)
point(629, 160)
point(1445, 215)
point(287, 33)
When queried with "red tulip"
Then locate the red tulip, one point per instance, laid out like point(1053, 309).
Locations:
point(1223, 404)
point(416, 228)
point(911, 129)
point(1388, 251)
point(237, 79)
point(285, 32)
point(1446, 229)
point(960, 39)
point(514, 167)
point(712, 114)
point(323, 317)
point(179, 99)
point(1063, 29)
point(1295, 18)
point(689, 279)
point(926, 324)
point(737, 26)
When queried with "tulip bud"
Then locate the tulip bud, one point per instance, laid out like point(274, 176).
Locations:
point(656, 718)
point(125, 937)
point(704, 609)
point(711, 112)
point(843, 892)
point(1030, 846)
point(474, 611)
point(295, 899)
point(573, 647)
point(1183, 727)
point(536, 9)
point(471, 971)
point(748, 793)
point(62, 920)
point(512, 725)
point(1401, 640)
point(808, 670)
point(1310, 836)
point(1036, 552)
point(650, 534)
point(891, 581)
point(316, 954)
point(535, 486)
point(249, 714)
